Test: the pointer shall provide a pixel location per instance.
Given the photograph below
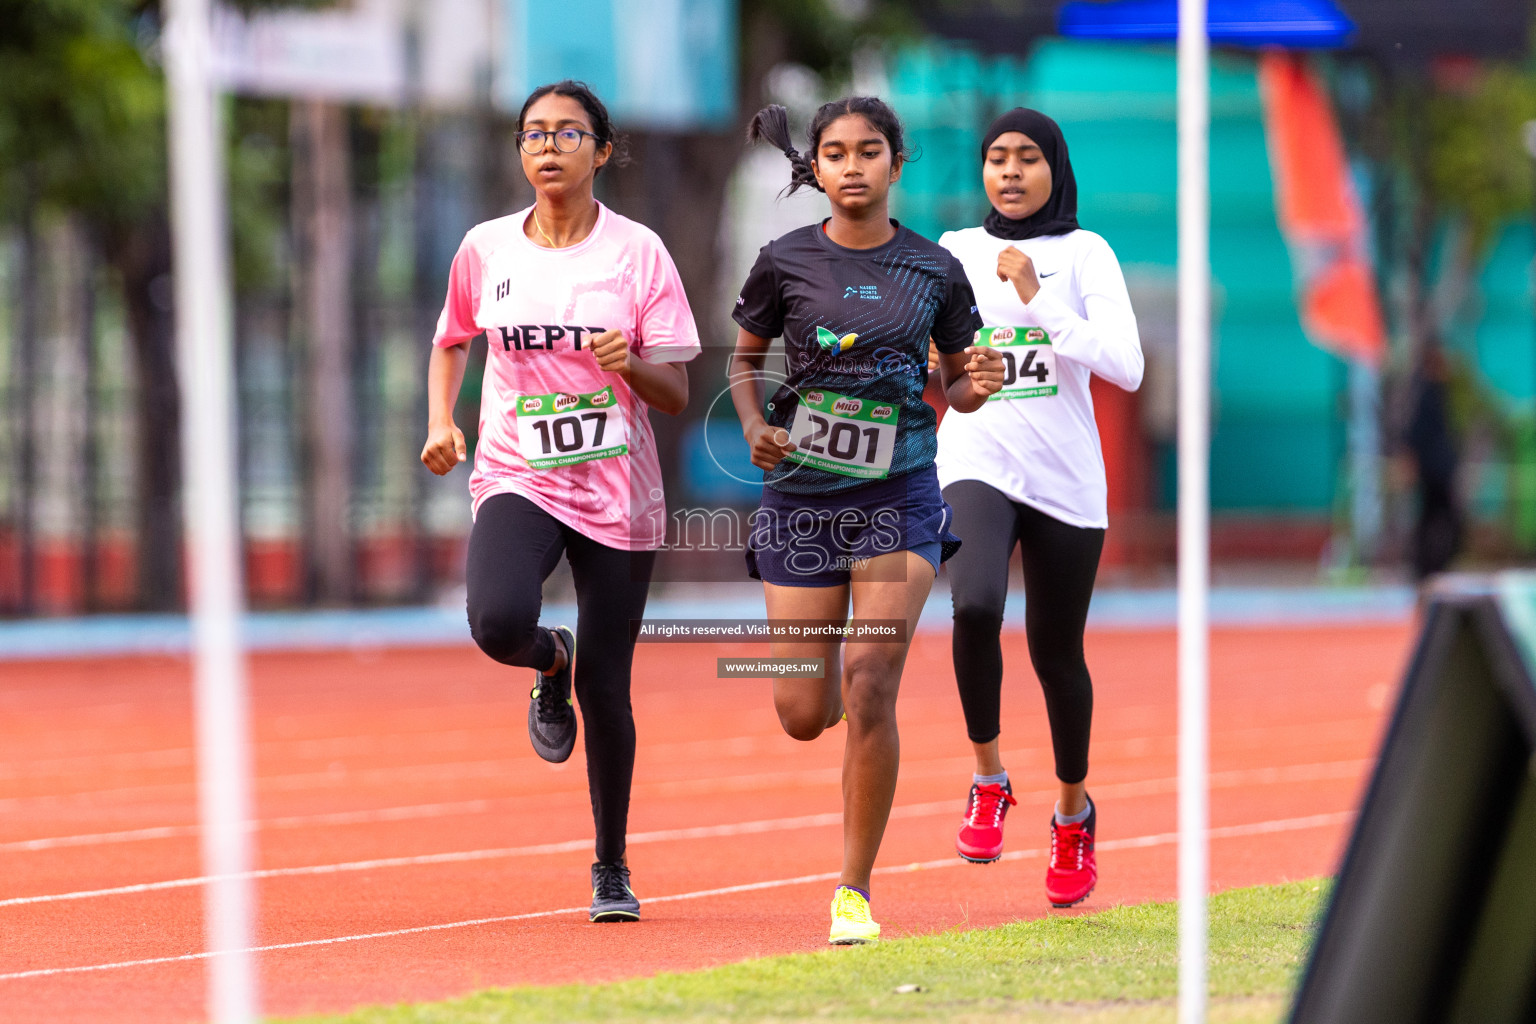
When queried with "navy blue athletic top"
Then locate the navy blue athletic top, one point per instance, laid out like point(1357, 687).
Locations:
point(890, 300)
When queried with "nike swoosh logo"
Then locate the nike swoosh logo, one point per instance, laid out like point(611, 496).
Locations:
point(1051, 274)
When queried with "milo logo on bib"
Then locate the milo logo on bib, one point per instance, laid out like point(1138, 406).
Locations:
point(844, 435)
point(562, 430)
point(1029, 362)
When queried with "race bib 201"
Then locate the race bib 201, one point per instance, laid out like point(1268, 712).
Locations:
point(851, 436)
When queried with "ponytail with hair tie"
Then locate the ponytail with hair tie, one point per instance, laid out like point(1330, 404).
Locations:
point(771, 124)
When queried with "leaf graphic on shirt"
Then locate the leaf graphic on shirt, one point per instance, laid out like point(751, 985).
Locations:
point(832, 343)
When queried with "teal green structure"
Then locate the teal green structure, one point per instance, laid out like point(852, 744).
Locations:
point(1502, 340)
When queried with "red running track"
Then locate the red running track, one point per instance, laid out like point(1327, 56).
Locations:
point(413, 847)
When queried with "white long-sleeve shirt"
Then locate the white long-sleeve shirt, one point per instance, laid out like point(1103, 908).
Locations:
point(1044, 451)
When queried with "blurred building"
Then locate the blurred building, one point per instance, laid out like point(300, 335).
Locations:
point(369, 138)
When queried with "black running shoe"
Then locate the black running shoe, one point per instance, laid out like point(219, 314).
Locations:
point(551, 718)
point(612, 898)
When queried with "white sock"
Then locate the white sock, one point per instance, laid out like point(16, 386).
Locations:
point(1074, 819)
point(1000, 779)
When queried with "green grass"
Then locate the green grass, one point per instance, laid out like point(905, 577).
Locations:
point(1118, 966)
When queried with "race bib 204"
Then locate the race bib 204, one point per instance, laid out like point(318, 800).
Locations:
point(1029, 363)
point(561, 429)
point(840, 434)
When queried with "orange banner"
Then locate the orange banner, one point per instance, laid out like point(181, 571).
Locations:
point(1319, 212)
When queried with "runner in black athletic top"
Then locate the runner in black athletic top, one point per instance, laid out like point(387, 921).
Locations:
point(851, 504)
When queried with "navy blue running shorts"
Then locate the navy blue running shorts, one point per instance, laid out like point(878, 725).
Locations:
point(816, 540)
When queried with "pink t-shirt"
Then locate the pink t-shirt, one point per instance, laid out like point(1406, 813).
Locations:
point(566, 435)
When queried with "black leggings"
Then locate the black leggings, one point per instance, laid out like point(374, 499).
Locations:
point(513, 548)
point(1060, 563)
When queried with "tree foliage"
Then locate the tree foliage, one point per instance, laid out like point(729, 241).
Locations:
point(823, 35)
point(82, 113)
point(1478, 167)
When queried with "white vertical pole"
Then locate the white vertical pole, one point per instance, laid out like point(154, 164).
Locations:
point(1194, 503)
point(208, 468)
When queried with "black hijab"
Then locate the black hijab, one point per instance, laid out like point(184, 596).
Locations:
point(1059, 214)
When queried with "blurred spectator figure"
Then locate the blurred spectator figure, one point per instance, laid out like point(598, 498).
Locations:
point(1433, 447)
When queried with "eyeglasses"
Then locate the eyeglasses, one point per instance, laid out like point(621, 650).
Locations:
point(567, 140)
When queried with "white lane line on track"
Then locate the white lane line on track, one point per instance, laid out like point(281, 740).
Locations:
point(1135, 842)
point(1326, 770)
point(464, 856)
point(340, 775)
point(468, 856)
point(36, 768)
point(331, 748)
point(382, 814)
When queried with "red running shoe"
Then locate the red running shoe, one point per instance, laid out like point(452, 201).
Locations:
point(981, 833)
point(1073, 872)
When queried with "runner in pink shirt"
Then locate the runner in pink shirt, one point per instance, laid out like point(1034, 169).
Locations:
point(587, 327)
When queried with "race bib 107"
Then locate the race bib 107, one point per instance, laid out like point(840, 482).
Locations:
point(837, 433)
point(1029, 362)
point(562, 430)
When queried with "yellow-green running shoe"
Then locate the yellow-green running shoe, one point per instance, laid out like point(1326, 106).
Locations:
point(850, 919)
point(612, 898)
